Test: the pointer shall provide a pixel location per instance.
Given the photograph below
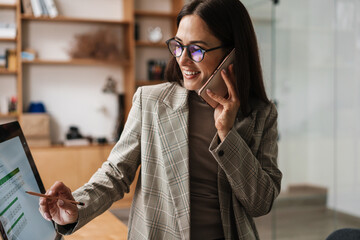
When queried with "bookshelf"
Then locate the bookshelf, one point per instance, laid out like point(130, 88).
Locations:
point(146, 50)
point(131, 13)
point(24, 20)
point(14, 75)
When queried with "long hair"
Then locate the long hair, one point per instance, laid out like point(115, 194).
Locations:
point(230, 22)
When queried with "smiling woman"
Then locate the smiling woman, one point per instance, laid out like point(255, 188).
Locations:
point(205, 172)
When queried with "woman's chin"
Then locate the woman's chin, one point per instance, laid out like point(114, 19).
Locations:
point(191, 86)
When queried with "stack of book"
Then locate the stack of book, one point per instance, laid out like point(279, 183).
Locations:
point(7, 30)
point(39, 8)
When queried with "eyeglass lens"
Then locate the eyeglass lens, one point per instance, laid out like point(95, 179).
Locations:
point(194, 51)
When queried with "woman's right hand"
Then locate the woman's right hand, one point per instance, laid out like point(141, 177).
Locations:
point(61, 212)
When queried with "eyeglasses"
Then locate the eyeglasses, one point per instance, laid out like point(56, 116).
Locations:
point(195, 52)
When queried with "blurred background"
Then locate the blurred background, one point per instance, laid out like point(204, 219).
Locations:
point(310, 51)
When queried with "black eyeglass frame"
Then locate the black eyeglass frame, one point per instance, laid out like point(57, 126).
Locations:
point(203, 51)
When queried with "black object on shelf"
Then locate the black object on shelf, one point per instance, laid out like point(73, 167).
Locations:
point(156, 69)
point(73, 133)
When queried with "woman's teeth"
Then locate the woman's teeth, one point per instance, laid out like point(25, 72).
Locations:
point(190, 73)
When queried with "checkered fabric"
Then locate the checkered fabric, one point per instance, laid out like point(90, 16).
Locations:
point(156, 137)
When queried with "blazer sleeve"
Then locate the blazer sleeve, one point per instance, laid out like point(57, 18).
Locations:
point(254, 180)
point(113, 179)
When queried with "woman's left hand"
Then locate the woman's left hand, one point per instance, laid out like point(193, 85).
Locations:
point(226, 111)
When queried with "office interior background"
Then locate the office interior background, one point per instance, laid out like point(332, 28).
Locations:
point(310, 53)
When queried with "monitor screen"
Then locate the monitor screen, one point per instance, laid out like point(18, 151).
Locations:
point(19, 212)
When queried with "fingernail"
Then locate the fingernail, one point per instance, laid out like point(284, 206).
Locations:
point(224, 71)
point(50, 192)
point(61, 202)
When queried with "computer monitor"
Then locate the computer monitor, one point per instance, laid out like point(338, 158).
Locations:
point(19, 212)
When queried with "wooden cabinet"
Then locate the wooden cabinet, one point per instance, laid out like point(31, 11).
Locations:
point(73, 166)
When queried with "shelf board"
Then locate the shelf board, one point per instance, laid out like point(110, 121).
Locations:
point(142, 13)
point(7, 72)
point(7, 39)
point(7, 6)
point(148, 82)
point(9, 115)
point(150, 44)
point(77, 62)
point(73, 20)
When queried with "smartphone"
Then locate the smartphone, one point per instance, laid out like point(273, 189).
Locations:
point(215, 83)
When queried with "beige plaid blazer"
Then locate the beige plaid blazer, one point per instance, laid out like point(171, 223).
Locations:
point(156, 137)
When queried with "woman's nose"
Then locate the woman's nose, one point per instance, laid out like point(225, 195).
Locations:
point(184, 58)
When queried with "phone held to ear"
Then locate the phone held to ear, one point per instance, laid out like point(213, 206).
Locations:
point(215, 83)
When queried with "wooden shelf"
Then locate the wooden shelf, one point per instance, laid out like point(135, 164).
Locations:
point(141, 13)
point(148, 82)
point(7, 39)
point(74, 20)
point(9, 115)
point(7, 6)
point(7, 72)
point(150, 44)
point(77, 62)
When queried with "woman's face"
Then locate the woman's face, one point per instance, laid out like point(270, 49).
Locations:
point(193, 30)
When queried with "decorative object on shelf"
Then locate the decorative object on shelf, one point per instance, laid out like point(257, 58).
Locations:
point(75, 138)
point(110, 87)
point(155, 34)
point(13, 104)
point(102, 45)
point(36, 107)
point(156, 69)
point(4, 105)
point(73, 133)
point(28, 54)
point(137, 36)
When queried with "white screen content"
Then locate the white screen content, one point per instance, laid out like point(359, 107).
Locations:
point(19, 212)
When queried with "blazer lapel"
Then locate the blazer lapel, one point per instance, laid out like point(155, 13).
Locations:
point(173, 131)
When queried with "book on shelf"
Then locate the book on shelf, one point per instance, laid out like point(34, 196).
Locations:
point(40, 8)
point(7, 30)
point(36, 7)
point(2, 61)
point(26, 7)
point(51, 8)
point(43, 8)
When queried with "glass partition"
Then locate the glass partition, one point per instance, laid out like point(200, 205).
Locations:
point(310, 51)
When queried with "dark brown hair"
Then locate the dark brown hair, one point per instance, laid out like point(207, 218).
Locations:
point(230, 22)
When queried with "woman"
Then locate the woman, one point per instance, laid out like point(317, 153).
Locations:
point(204, 172)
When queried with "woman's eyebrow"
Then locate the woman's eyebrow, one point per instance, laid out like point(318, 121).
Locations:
point(193, 42)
